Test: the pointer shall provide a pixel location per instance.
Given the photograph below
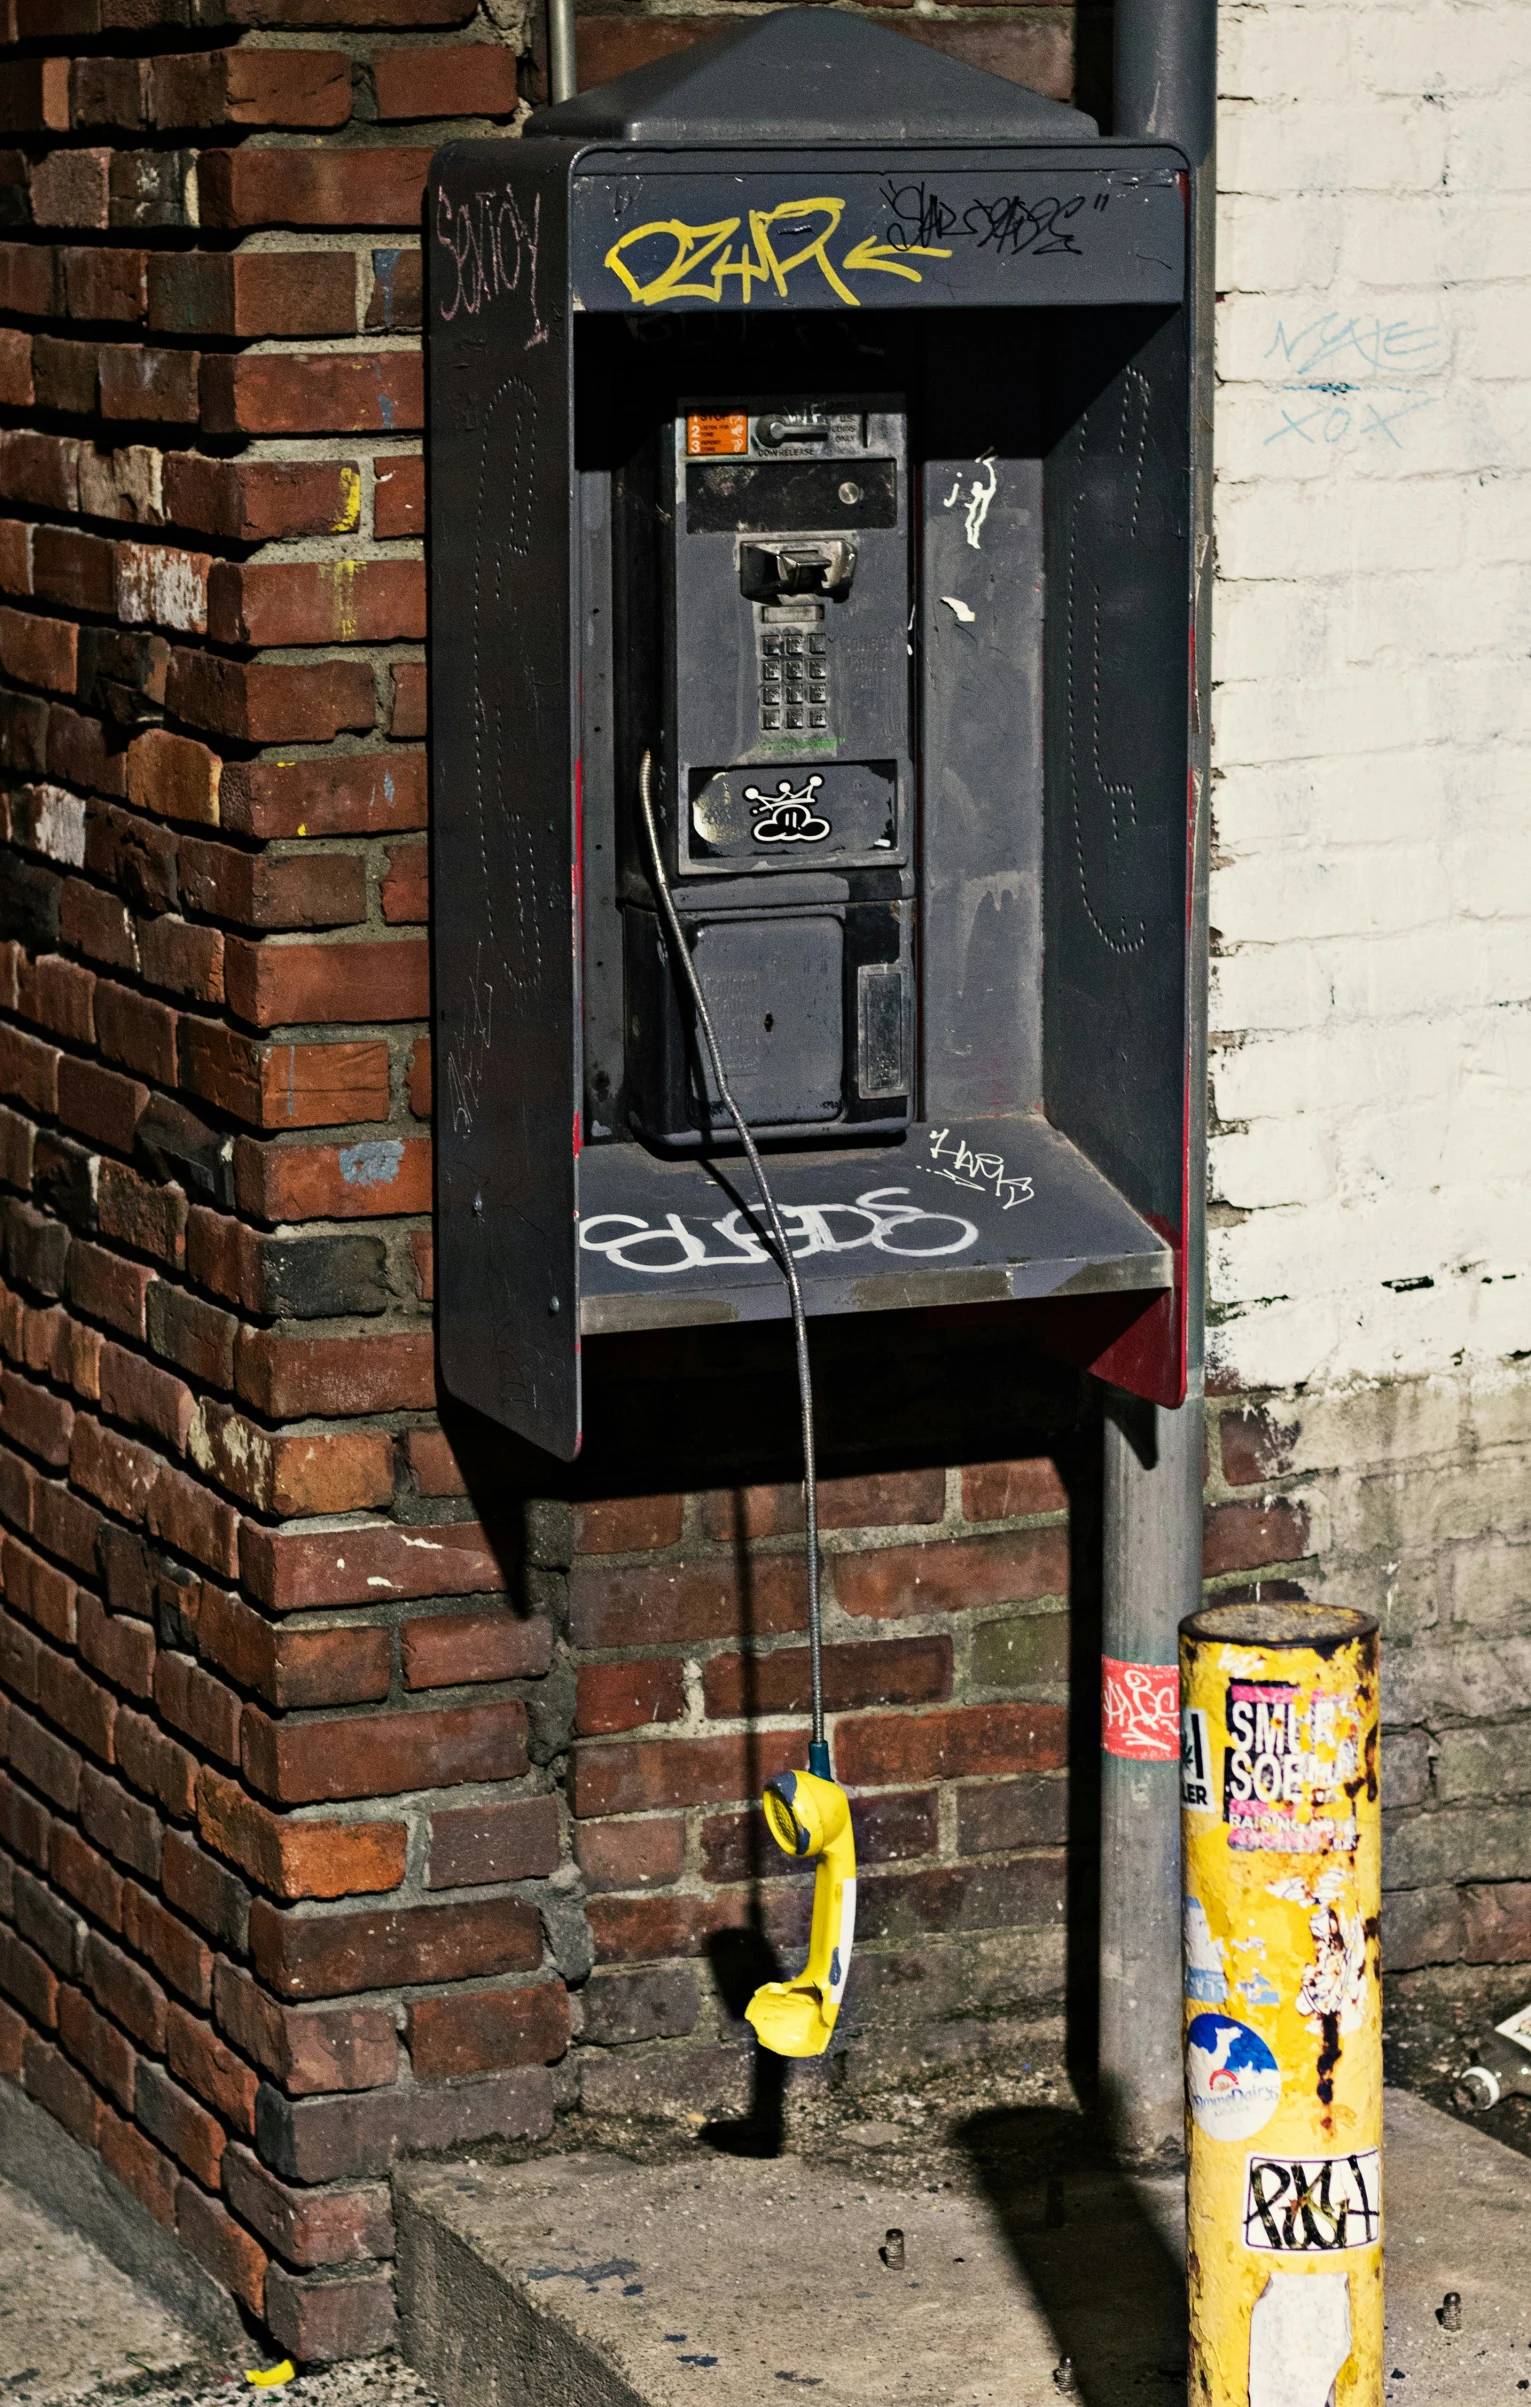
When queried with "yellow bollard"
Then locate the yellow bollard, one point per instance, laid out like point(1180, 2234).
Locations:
point(1283, 1997)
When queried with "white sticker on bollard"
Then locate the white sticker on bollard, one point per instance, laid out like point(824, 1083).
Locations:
point(1299, 2337)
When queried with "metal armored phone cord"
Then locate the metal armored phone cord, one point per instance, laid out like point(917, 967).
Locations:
point(818, 1753)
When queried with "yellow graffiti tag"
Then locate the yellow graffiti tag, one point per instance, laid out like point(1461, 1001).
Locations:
point(884, 258)
point(694, 245)
point(761, 222)
point(760, 260)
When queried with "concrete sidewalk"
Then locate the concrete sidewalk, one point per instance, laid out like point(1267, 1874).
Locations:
point(70, 2323)
point(737, 2280)
point(709, 2277)
point(72, 2328)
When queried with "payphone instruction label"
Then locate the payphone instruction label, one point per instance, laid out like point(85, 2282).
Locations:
point(948, 233)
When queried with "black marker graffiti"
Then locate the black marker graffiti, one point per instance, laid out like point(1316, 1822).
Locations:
point(1006, 223)
point(1309, 2206)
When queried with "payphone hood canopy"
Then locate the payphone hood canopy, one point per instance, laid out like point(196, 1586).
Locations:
point(811, 75)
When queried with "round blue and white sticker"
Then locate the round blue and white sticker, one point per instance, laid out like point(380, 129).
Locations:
point(1232, 2079)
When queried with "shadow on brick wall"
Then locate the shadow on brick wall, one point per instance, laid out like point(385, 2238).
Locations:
point(716, 1410)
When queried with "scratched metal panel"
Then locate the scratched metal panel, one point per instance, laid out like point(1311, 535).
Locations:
point(981, 895)
point(502, 780)
point(981, 1211)
point(919, 230)
point(1118, 742)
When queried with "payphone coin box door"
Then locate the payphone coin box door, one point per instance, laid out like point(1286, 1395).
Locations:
point(809, 419)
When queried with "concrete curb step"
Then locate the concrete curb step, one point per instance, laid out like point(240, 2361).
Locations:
point(599, 2282)
point(732, 2281)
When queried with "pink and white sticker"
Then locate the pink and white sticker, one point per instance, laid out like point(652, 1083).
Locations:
point(1140, 1710)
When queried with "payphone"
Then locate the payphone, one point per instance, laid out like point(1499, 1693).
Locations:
point(810, 482)
point(785, 771)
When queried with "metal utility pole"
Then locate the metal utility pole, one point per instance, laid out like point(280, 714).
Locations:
point(563, 78)
point(1165, 84)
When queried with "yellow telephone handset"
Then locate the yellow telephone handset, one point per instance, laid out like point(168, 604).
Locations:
point(809, 1816)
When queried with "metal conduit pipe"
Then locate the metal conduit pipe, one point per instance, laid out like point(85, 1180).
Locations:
point(1165, 85)
point(563, 77)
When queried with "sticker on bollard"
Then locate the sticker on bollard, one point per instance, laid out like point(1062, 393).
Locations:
point(1300, 2340)
point(1281, 1832)
point(1314, 2204)
point(1292, 1749)
point(1195, 1765)
point(1231, 2078)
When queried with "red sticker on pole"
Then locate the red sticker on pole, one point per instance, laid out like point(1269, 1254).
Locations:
point(1140, 1710)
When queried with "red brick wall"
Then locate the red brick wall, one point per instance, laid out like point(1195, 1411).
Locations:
point(946, 1669)
point(337, 1750)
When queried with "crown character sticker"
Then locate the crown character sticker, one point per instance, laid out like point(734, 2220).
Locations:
point(787, 816)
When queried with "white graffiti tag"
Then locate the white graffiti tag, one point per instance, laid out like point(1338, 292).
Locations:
point(981, 492)
point(953, 1157)
point(878, 1219)
point(1140, 1709)
point(494, 243)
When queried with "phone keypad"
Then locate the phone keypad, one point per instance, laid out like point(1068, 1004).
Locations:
point(794, 680)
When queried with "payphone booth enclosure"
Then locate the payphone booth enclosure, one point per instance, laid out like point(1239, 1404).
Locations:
point(810, 414)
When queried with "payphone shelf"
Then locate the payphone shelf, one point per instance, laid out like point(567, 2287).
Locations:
point(977, 1211)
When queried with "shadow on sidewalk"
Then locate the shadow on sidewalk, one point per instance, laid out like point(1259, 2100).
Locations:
point(1097, 2248)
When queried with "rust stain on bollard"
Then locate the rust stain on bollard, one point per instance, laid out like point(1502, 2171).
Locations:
point(1281, 1826)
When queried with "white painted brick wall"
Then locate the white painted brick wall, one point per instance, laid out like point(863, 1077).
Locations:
point(1371, 887)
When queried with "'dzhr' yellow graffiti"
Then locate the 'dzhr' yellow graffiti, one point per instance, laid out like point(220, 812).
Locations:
point(759, 261)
